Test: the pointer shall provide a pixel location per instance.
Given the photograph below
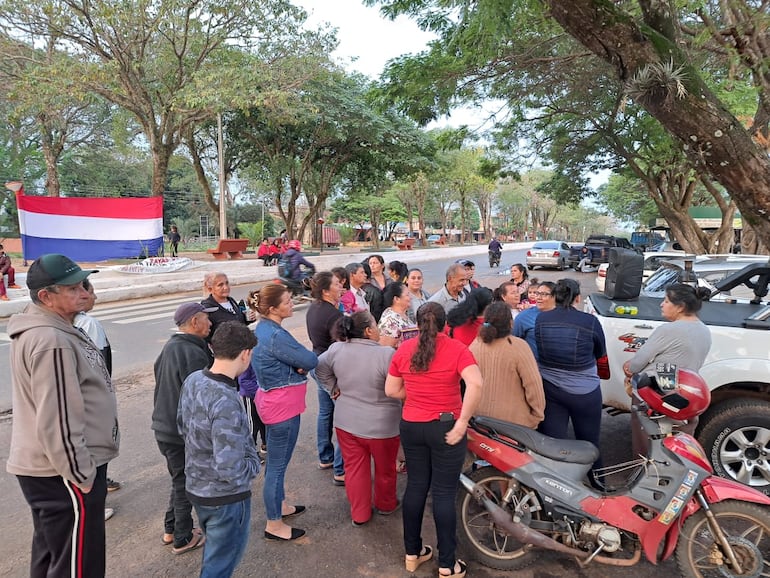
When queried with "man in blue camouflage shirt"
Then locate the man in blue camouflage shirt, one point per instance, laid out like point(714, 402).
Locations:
point(221, 459)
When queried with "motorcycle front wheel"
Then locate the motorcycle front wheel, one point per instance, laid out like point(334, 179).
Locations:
point(747, 527)
point(477, 534)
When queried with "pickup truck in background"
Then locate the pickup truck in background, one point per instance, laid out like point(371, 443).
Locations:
point(595, 251)
point(735, 430)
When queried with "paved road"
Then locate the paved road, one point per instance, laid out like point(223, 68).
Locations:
point(333, 548)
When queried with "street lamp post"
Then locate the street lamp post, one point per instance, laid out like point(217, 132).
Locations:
point(222, 203)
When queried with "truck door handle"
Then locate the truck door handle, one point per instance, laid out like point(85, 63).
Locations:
point(643, 326)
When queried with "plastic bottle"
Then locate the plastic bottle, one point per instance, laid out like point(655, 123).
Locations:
point(626, 310)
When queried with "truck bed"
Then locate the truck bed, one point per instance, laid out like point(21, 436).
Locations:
point(712, 313)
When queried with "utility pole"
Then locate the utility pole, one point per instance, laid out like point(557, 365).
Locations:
point(222, 203)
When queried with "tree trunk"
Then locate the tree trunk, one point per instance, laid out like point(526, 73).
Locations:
point(711, 135)
point(160, 157)
point(52, 184)
point(200, 173)
point(420, 190)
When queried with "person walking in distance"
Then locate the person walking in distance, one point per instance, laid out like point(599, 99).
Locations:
point(65, 422)
point(220, 456)
point(173, 241)
point(184, 353)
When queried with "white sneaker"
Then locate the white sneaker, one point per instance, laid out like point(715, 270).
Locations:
point(108, 513)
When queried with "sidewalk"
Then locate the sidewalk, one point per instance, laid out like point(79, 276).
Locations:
point(112, 285)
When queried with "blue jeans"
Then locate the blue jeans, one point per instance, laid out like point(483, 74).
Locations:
point(324, 427)
point(281, 440)
point(227, 532)
point(432, 464)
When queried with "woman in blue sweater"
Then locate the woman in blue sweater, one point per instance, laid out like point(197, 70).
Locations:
point(572, 357)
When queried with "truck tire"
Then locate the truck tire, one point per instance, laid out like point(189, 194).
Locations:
point(736, 437)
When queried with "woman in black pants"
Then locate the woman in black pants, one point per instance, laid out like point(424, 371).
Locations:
point(572, 357)
point(425, 372)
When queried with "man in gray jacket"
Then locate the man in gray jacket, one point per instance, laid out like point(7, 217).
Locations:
point(184, 353)
point(65, 422)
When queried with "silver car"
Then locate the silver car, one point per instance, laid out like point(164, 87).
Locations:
point(552, 254)
point(708, 270)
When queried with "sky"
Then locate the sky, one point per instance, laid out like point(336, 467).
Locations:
point(364, 34)
point(370, 40)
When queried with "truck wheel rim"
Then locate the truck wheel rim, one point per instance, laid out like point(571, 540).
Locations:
point(745, 455)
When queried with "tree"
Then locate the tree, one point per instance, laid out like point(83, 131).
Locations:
point(671, 59)
point(171, 64)
point(306, 147)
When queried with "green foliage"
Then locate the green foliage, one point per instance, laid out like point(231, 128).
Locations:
point(253, 232)
point(347, 233)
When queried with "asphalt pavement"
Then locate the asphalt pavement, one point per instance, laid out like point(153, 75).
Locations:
point(333, 547)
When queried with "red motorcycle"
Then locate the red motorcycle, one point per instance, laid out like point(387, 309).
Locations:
point(532, 492)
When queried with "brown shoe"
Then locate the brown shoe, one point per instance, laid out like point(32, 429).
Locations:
point(197, 540)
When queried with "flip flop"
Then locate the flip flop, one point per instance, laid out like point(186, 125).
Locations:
point(322, 466)
point(165, 541)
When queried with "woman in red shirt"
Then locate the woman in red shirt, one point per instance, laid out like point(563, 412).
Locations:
point(425, 373)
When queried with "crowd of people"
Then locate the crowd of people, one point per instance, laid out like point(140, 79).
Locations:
point(398, 374)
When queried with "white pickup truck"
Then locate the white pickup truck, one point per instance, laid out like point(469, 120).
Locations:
point(735, 430)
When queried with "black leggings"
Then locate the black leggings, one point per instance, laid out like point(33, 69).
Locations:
point(585, 411)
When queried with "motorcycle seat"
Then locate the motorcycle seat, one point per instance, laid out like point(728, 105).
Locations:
point(571, 451)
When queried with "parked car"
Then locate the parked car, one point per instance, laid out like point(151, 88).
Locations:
point(708, 271)
point(434, 238)
point(595, 251)
point(548, 254)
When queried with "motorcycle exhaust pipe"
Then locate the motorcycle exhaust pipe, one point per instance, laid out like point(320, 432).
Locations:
point(526, 535)
point(517, 530)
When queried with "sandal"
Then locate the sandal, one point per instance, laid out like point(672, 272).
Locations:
point(167, 539)
point(401, 467)
point(413, 563)
point(325, 466)
point(453, 571)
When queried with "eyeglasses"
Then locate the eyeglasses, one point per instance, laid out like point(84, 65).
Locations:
point(543, 294)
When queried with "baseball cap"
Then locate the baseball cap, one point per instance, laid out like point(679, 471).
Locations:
point(55, 269)
point(185, 311)
point(465, 262)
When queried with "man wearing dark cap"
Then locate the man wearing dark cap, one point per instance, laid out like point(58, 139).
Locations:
point(185, 352)
point(65, 422)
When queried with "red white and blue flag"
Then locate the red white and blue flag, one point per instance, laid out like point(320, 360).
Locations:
point(90, 229)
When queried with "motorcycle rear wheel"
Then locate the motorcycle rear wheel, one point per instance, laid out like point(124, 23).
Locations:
point(747, 527)
point(477, 534)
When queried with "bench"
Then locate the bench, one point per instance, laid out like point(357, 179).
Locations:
point(229, 248)
point(406, 244)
